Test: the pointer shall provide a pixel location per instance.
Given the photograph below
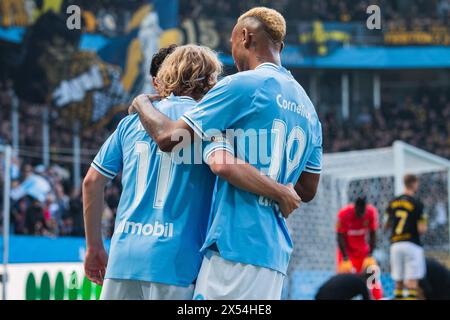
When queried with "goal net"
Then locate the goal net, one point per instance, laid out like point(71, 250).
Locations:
point(377, 174)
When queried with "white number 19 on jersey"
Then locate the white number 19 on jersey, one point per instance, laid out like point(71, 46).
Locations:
point(282, 147)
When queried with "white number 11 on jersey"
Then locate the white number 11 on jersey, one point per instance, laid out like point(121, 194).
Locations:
point(164, 173)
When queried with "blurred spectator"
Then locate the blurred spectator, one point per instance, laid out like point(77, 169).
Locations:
point(35, 223)
point(326, 10)
point(76, 213)
point(416, 121)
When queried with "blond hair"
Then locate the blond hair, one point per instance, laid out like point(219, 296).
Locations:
point(272, 20)
point(190, 70)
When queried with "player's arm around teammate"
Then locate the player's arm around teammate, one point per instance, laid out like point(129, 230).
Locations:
point(246, 177)
point(239, 173)
point(162, 130)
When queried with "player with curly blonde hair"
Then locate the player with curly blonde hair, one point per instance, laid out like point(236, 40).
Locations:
point(151, 254)
point(189, 71)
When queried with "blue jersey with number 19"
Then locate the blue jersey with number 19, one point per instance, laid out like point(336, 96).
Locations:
point(276, 129)
point(164, 207)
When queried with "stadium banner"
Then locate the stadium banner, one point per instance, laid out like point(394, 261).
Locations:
point(44, 268)
point(399, 33)
point(50, 281)
point(36, 249)
point(92, 75)
point(85, 76)
point(23, 13)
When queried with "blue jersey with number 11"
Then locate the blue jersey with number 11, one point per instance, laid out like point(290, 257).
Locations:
point(164, 207)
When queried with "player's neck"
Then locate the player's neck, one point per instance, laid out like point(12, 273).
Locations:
point(264, 57)
point(196, 97)
point(409, 193)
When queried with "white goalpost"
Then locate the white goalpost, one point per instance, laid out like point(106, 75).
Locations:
point(7, 152)
point(377, 174)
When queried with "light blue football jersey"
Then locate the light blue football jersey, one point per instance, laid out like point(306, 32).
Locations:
point(164, 207)
point(276, 129)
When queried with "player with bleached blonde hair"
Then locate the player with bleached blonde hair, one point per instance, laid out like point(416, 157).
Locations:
point(248, 246)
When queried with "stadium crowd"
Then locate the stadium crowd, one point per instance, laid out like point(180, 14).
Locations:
point(422, 122)
point(60, 214)
point(334, 10)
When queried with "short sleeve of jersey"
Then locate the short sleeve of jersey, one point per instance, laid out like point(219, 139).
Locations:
point(340, 224)
point(314, 163)
point(218, 142)
point(108, 160)
point(421, 215)
point(225, 104)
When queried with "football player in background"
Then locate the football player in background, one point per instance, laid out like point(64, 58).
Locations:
point(356, 223)
point(407, 222)
point(248, 246)
point(164, 207)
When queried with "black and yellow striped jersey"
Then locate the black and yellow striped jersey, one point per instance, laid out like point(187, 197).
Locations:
point(403, 214)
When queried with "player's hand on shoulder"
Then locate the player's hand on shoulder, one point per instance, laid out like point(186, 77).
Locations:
point(141, 101)
point(289, 201)
point(95, 263)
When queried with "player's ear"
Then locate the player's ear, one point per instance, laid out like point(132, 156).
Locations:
point(155, 82)
point(281, 46)
point(246, 38)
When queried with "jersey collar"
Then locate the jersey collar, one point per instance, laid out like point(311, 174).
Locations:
point(185, 98)
point(268, 64)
